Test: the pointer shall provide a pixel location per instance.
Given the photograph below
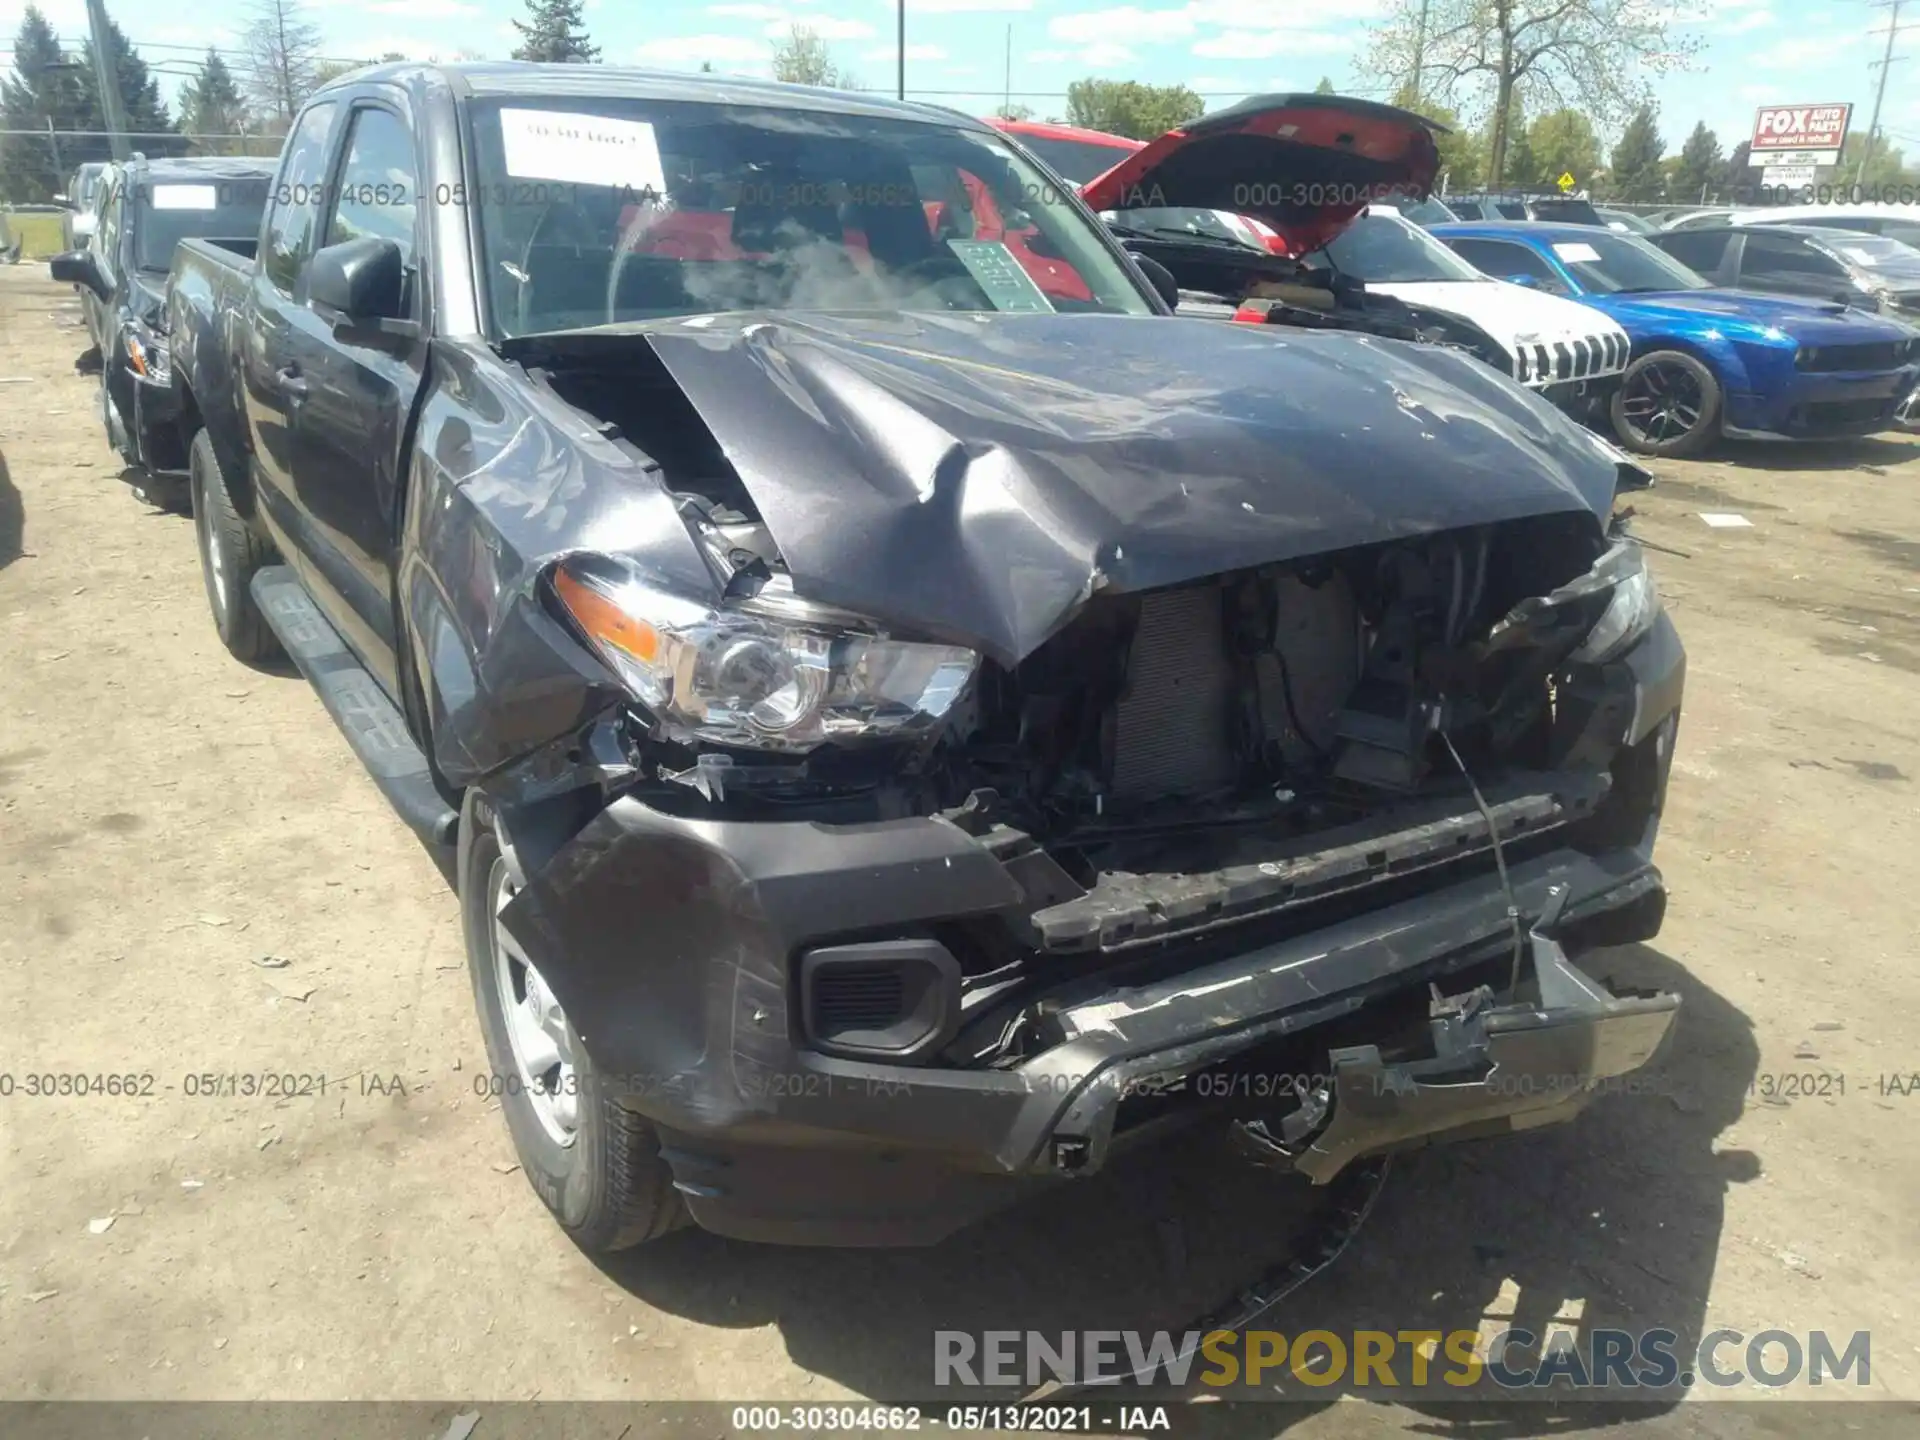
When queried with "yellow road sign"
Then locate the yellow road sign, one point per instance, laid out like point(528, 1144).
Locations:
point(1567, 182)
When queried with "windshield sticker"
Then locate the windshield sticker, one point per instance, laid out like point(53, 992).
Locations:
point(1860, 257)
point(186, 197)
point(1010, 287)
point(582, 149)
point(1576, 253)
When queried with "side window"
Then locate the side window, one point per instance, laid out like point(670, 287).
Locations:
point(106, 230)
point(1783, 257)
point(377, 191)
point(295, 200)
point(1501, 258)
point(1700, 250)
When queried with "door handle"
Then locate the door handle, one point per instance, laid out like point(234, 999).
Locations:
point(292, 383)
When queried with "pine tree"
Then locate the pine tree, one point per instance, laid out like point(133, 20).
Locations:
point(148, 121)
point(1325, 87)
point(211, 105)
point(1636, 159)
point(554, 31)
point(42, 87)
point(1700, 164)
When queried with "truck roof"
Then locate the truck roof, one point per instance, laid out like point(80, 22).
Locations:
point(498, 79)
point(202, 167)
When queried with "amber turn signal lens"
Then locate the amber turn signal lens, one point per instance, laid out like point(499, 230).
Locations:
point(603, 621)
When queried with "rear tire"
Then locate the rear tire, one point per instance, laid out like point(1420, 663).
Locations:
point(595, 1164)
point(1668, 404)
point(230, 554)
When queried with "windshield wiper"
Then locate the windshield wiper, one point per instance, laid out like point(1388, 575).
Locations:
point(1167, 232)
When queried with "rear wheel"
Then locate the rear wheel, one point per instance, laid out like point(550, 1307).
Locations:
point(230, 553)
point(1668, 404)
point(593, 1162)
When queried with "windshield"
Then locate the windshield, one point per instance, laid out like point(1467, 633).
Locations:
point(1386, 250)
point(169, 211)
point(1075, 160)
point(1567, 212)
point(1426, 212)
point(595, 211)
point(1873, 252)
point(1609, 263)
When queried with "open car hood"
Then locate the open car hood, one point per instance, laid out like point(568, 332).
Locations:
point(1304, 164)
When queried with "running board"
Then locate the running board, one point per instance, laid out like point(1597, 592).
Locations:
point(373, 726)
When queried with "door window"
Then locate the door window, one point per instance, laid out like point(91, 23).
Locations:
point(1700, 250)
point(297, 193)
point(1782, 257)
point(377, 184)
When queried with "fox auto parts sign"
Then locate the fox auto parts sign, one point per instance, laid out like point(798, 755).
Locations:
point(1801, 127)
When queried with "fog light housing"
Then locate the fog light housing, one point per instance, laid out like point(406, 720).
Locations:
point(895, 1000)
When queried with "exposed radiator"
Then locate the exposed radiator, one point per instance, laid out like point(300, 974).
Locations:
point(1173, 724)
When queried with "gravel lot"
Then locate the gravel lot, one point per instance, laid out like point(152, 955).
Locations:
point(170, 820)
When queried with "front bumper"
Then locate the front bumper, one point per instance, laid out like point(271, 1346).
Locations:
point(156, 427)
point(672, 943)
point(1823, 406)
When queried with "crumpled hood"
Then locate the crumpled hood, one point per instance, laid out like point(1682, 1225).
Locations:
point(976, 478)
point(1746, 315)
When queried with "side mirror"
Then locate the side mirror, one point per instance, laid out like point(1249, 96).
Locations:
point(78, 267)
point(61, 199)
point(1531, 282)
point(1160, 278)
point(363, 283)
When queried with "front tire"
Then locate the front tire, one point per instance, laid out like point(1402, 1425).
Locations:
point(1668, 404)
point(594, 1163)
point(230, 553)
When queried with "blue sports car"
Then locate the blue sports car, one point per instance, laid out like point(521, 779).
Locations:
point(1709, 362)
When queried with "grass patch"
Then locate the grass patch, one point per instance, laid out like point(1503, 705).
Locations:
point(39, 232)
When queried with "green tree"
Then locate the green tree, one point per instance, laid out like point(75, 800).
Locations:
point(1886, 164)
point(1127, 107)
point(44, 85)
point(802, 58)
point(1735, 181)
point(1563, 143)
point(1518, 167)
point(211, 105)
point(554, 31)
point(148, 120)
point(1325, 87)
point(1636, 159)
point(1587, 55)
point(1700, 165)
point(1462, 157)
point(1014, 110)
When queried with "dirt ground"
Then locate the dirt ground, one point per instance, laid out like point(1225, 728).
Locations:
point(169, 820)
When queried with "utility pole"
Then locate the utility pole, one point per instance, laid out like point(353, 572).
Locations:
point(1879, 94)
point(53, 143)
point(1006, 102)
point(900, 84)
point(1420, 53)
point(106, 76)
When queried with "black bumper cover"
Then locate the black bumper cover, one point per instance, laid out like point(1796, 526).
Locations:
point(670, 941)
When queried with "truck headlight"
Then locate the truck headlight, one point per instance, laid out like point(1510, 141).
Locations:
point(733, 677)
point(1630, 611)
point(147, 353)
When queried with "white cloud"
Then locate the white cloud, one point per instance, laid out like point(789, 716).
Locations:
point(1802, 52)
point(692, 49)
point(958, 7)
point(1264, 15)
point(1747, 23)
point(1116, 27)
point(422, 9)
point(826, 27)
point(1264, 45)
point(914, 52)
point(407, 45)
point(751, 12)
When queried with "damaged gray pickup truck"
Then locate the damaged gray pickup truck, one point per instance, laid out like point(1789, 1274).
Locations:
point(910, 714)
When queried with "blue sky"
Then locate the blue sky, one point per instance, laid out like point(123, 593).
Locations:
point(1752, 51)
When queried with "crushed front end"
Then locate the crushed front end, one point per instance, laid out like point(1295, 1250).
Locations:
point(1310, 851)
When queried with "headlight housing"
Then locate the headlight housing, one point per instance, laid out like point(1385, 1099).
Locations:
point(147, 353)
point(763, 681)
point(1630, 611)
